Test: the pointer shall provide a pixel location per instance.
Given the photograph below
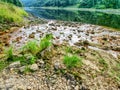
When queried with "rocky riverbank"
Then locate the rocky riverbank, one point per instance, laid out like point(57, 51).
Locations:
point(98, 47)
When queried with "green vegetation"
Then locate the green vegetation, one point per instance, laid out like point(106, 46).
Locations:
point(76, 3)
point(31, 47)
point(34, 47)
point(15, 2)
point(73, 50)
point(103, 62)
point(45, 42)
point(101, 4)
point(3, 64)
point(11, 14)
point(72, 61)
point(109, 18)
point(9, 53)
point(29, 53)
point(28, 60)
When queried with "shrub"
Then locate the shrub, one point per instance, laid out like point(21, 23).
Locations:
point(72, 61)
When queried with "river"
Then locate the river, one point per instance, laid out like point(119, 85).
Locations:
point(90, 17)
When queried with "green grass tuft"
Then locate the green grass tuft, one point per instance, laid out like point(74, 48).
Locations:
point(32, 47)
point(103, 62)
point(45, 42)
point(72, 61)
point(9, 53)
point(3, 64)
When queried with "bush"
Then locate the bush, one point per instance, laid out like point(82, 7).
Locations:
point(72, 61)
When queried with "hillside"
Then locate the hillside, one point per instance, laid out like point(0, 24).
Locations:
point(15, 2)
point(80, 3)
point(10, 15)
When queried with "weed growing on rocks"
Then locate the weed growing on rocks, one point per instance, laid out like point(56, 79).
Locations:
point(45, 42)
point(9, 53)
point(72, 61)
point(35, 47)
point(103, 62)
point(3, 64)
point(31, 47)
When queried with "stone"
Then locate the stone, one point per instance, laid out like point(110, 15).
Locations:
point(32, 35)
point(57, 65)
point(40, 63)
point(28, 56)
point(15, 64)
point(29, 88)
point(77, 87)
point(51, 24)
point(34, 67)
point(22, 69)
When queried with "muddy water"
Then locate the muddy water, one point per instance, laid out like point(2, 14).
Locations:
point(97, 37)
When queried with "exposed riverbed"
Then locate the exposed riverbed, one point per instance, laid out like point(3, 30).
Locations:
point(99, 43)
point(98, 37)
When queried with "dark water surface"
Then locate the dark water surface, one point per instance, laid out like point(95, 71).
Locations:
point(90, 17)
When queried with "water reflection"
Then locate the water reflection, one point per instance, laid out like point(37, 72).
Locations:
point(98, 18)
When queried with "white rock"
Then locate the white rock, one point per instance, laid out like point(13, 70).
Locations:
point(34, 67)
point(15, 64)
point(22, 69)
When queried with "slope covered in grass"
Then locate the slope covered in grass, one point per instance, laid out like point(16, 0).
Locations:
point(11, 14)
point(15, 2)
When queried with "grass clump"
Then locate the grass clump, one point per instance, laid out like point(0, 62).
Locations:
point(27, 70)
point(72, 61)
point(3, 64)
point(9, 53)
point(31, 47)
point(73, 50)
point(45, 42)
point(28, 56)
point(28, 60)
point(103, 62)
point(34, 47)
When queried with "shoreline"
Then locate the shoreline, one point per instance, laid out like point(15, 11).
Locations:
point(94, 45)
point(108, 11)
